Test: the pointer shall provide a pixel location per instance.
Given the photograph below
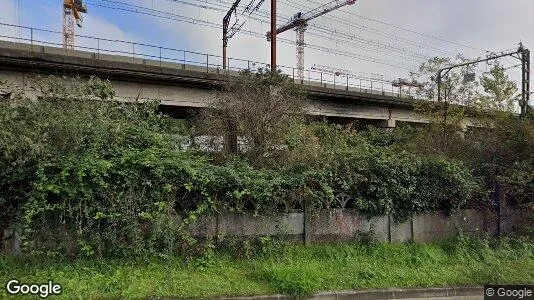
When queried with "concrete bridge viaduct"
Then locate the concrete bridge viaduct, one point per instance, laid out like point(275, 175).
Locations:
point(182, 87)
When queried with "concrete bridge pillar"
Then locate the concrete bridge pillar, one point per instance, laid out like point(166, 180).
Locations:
point(388, 124)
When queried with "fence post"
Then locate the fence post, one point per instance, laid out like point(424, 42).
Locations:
point(498, 199)
point(31, 36)
point(16, 241)
point(133, 48)
point(160, 57)
point(307, 226)
point(207, 63)
point(411, 229)
point(389, 228)
point(347, 82)
point(321, 79)
point(183, 65)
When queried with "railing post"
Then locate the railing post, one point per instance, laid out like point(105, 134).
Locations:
point(183, 65)
point(31, 36)
point(248, 62)
point(98, 47)
point(133, 48)
point(347, 82)
point(160, 57)
point(207, 63)
point(321, 78)
point(335, 80)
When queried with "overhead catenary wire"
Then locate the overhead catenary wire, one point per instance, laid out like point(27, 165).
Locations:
point(350, 13)
point(263, 16)
point(352, 24)
point(346, 36)
point(170, 16)
point(334, 35)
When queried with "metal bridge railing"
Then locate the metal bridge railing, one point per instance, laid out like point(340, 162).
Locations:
point(194, 60)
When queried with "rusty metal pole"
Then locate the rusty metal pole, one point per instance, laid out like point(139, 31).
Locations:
point(224, 55)
point(525, 86)
point(273, 36)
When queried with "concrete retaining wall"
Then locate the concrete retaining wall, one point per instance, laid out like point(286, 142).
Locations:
point(338, 225)
point(343, 225)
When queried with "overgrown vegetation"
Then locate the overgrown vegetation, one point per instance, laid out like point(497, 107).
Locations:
point(498, 146)
point(84, 175)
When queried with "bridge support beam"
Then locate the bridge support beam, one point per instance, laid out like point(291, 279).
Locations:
point(388, 124)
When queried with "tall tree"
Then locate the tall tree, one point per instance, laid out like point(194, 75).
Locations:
point(260, 108)
point(457, 94)
point(499, 91)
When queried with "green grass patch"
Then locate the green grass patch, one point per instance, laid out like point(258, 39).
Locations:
point(295, 269)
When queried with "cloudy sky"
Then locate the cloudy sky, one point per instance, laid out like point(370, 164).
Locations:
point(372, 38)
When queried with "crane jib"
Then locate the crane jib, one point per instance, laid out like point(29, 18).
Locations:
point(300, 21)
point(302, 18)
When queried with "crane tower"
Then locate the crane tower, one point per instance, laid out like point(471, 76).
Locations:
point(72, 13)
point(299, 22)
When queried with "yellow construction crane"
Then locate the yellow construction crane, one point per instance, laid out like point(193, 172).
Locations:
point(72, 13)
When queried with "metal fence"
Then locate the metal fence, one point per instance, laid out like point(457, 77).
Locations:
point(195, 60)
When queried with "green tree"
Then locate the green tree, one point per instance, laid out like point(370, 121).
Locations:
point(499, 91)
point(457, 94)
point(260, 109)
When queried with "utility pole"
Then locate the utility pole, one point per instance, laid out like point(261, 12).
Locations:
point(521, 53)
point(525, 63)
point(299, 22)
point(273, 36)
point(226, 23)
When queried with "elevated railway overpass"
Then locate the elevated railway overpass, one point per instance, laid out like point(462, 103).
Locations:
point(185, 85)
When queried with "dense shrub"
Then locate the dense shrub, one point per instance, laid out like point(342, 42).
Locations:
point(83, 174)
point(499, 151)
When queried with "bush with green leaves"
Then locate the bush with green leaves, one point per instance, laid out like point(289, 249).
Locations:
point(378, 170)
point(86, 175)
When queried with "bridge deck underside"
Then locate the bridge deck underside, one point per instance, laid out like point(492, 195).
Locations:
point(178, 86)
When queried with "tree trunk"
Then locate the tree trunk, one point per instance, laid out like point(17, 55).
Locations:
point(231, 138)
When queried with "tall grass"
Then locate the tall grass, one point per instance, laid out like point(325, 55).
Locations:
point(294, 269)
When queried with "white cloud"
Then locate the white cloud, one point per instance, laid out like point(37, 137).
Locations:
point(94, 26)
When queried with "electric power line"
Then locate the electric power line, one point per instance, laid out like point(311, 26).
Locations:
point(170, 16)
point(406, 29)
